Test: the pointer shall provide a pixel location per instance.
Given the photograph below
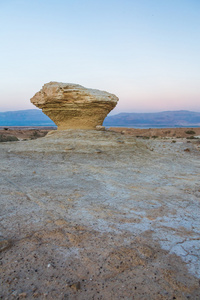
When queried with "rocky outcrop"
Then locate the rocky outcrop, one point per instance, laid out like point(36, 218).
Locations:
point(72, 106)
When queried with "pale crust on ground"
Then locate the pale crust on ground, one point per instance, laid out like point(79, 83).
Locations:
point(99, 215)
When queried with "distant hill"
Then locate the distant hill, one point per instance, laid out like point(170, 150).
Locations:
point(182, 118)
point(30, 117)
point(35, 117)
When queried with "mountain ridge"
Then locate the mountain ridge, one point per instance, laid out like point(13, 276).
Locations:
point(180, 118)
point(28, 117)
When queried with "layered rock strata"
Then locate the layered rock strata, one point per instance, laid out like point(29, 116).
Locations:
point(72, 106)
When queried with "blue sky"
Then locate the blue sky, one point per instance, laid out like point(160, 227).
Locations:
point(147, 52)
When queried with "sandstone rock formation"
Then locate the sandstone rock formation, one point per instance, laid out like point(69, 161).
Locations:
point(72, 106)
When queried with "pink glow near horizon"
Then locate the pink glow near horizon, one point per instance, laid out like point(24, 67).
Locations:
point(146, 53)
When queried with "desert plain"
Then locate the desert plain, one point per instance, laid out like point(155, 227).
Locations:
point(89, 214)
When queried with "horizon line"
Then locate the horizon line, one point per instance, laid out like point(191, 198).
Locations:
point(122, 112)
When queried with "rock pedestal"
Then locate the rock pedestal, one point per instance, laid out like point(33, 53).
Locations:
point(72, 106)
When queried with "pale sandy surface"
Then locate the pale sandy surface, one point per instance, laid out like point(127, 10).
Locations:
point(99, 215)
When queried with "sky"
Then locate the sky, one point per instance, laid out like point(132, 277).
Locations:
point(147, 52)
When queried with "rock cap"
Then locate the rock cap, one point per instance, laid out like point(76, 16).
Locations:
point(74, 106)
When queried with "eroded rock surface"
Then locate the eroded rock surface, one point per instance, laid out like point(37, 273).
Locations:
point(99, 215)
point(72, 106)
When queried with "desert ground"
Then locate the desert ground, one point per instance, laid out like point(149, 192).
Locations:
point(22, 133)
point(159, 132)
point(89, 214)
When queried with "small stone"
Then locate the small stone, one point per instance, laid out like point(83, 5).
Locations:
point(76, 286)
point(14, 293)
point(98, 151)
point(120, 141)
point(69, 148)
point(36, 295)
point(22, 295)
point(100, 128)
point(187, 150)
point(4, 243)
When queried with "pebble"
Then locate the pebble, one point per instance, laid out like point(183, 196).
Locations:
point(22, 295)
point(76, 286)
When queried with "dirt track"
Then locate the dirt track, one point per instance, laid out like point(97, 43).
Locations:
point(99, 215)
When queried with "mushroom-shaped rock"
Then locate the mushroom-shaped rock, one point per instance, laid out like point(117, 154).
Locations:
point(72, 106)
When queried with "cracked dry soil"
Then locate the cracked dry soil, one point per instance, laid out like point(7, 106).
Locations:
point(99, 215)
